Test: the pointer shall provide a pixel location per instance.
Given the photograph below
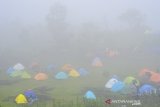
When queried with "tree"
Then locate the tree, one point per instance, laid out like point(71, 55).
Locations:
point(57, 19)
point(134, 19)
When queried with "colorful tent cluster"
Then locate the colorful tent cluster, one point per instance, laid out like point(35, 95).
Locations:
point(67, 71)
point(131, 85)
point(151, 75)
point(111, 52)
point(18, 71)
point(70, 71)
point(29, 96)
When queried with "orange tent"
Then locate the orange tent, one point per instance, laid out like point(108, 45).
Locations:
point(154, 76)
point(97, 62)
point(67, 67)
point(145, 71)
point(41, 76)
point(34, 64)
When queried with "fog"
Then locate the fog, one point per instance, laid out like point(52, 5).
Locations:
point(67, 31)
point(58, 51)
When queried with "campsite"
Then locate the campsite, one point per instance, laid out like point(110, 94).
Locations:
point(79, 53)
point(78, 86)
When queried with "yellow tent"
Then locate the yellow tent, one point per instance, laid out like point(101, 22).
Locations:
point(21, 99)
point(73, 73)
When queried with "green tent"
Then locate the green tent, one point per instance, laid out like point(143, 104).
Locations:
point(25, 75)
point(16, 74)
point(130, 80)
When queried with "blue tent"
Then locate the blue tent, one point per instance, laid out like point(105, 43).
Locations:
point(31, 96)
point(146, 89)
point(51, 67)
point(118, 86)
point(10, 70)
point(82, 71)
point(61, 75)
point(90, 95)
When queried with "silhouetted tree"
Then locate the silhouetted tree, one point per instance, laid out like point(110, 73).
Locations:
point(57, 21)
point(134, 19)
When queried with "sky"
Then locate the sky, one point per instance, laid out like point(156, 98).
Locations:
point(78, 11)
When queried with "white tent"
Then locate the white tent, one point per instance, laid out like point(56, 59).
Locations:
point(18, 67)
point(111, 82)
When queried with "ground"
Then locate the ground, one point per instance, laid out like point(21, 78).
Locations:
point(70, 92)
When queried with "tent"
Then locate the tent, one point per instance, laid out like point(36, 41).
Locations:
point(67, 67)
point(16, 74)
point(82, 71)
point(118, 86)
point(74, 73)
point(145, 71)
point(130, 89)
point(97, 62)
point(35, 67)
point(25, 75)
point(10, 70)
point(50, 67)
point(41, 76)
point(111, 82)
point(21, 99)
point(155, 77)
point(111, 53)
point(61, 75)
point(18, 67)
point(90, 95)
point(152, 76)
point(146, 89)
point(131, 80)
point(31, 96)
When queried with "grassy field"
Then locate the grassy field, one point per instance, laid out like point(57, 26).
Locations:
point(70, 92)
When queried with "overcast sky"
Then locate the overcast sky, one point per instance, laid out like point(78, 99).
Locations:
point(35, 11)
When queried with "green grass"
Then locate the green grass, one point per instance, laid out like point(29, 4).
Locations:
point(70, 92)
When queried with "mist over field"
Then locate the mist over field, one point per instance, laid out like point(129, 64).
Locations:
point(44, 30)
point(124, 34)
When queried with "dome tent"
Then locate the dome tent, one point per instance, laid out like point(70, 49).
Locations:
point(41, 76)
point(10, 70)
point(111, 82)
point(97, 62)
point(16, 74)
point(50, 67)
point(31, 96)
point(146, 89)
point(82, 71)
point(18, 67)
point(90, 95)
point(67, 67)
point(25, 75)
point(118, 86)
point(130, 80)
point(151, 75)
point(61, 75)
point(74, 73)
point(21, 99)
